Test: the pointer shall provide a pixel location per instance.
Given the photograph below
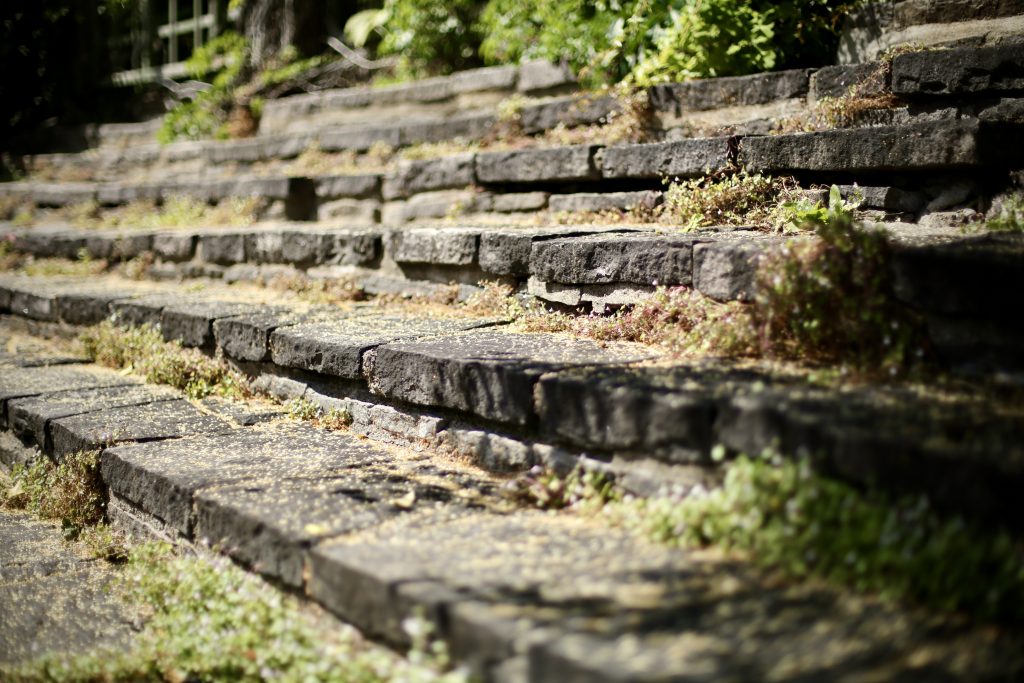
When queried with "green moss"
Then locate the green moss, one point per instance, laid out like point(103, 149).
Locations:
point(143, 350)
point(210, 621)
point(71, 493)
point(740, 199)
point(1008, 216)
point(788, 518)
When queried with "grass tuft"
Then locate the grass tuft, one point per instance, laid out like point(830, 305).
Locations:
point(71, 493)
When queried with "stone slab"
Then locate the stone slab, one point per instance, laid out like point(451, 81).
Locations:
point(147, 422)
point(490, 374)
point(576, 110)
point(539, 75)
point(921, 146)
point(836, 81)
point(886, 198)
point(605, 201)
point(174, 246)
point(555, 165)
point(29, 416)
point(360, 186)
point(144, 310)
point(247, 337)
point(727, 270)
point(717, 93)
point(646, 259)
point(412, 177)
point(336, 347)
point(222, 247)
point(468, 126)
point(330, 247)
point(162, 477)
point(440, 246)
point(359, 139)
point(21, 382)
point(959, 71)
point(682, 159)
point(191, 324)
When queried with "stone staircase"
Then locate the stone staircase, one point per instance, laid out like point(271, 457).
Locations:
point(446, 401)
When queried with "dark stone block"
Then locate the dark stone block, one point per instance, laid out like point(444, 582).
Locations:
point(191, 324)
point(959, 71)
point(31, 381)
point(558, 164)
point(683, 159)
point(727, 270)
point(355, 186)
point(577, 110)
point(412, 177)
point(247, 337)
point(716, 93)
point(442, 246)
point(645, 259)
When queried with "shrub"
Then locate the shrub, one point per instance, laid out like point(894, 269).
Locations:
point(431, 37)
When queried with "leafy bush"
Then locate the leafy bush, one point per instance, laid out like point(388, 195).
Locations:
point(430, 37)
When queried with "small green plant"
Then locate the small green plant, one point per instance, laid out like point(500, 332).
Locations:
point(71, 493)
point(308, 411)
point(143, 350)
point(731, 199)
point(208, 620)
point(430, 38)
point(831, 299)
point(1007, 215)
point(789, 518)
point(303, 409)
point(582, 488)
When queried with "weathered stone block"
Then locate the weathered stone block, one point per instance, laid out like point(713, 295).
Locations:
point(191, 324)
point(684, 159)
point(358, 210)
point(247, 336)
point(174, 246)
point(467, 126)
point(716, 93)
point(959, 71)
point(223, 248)
point(646, 259)
point(836, 81)
point(359, 139)
point(541, 75)
point(727, 270)
point(576, 110)
point(441, 246)
point(605, 201)
point(489, 374)
point(361, 186)
point(518, 201)
point(558, 164)
point(412, 177)
point(18, 382)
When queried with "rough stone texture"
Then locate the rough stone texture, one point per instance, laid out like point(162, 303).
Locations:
point(412, 177)
point(959, 71)
point(192, 323)
point(352, 186)
point(922, 146)
point(540, 75)
point(359, 139)
point(161, 478)
point(507, 252)
point(435, 204)
point(605, 201)
point(336, 347)
point(20, 382)
point(887, 198)
point(174, 246)
point(29, 416)
point(460, 126)
point(54, 599)
point(608, 258)
point(247, 337)
point(143, 310)
point(357, 210)
point(715, 93)
point(727, 270)
point(576, 110)
point(442, 246)
point(836, 81)
point(686, 158)
point(224, 248)
point(558, 164)
point(244, 413)
point(487, 78)
point(489, 374)
point(519, 201)
point(330, 247)
point(147, 422)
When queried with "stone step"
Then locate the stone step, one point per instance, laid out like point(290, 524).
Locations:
point(510, 400)
point(377, 534)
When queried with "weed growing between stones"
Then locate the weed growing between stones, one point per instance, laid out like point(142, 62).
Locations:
point(1007, 215)
point(208, 620)
point(541, 488)
point(790, 519)
point(303, 409)
point(83, 266)
point(740, 199)
point(326, 291)
point(143, 350)
point(71, 492)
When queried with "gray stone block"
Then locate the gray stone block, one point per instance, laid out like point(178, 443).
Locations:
point(161, 478)
point(437, 204)
point(646, 259)
point(558, 164)
point(61, 194)
point(577, 110)
point(959, 71)
point(490, 374)
point(191, 324)
point(480, 80)
point(88, 305)
point(540, 76)
point(143, 310)
point(654, 411)
point(465, 126)
point(921, 146)
point(605, 201)
point(28, 417)
point(727, 270)
point(513, 202)
point(264, 246)
point(224, 248)
point(412, 177)
point(683, 159)
point(359, 139)
point(362, 186)
point(886, 198)
point(717, 93)
point(336, 347)
point(836, 81)
point(440, 246)
point(354, 210)
point(247, 337)
point(148, 422)
point(174, 246)
point(17, 382)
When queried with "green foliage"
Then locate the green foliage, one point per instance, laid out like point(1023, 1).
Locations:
point(544, 489)
point(733, 199)
point(204, 116)
point(71, 492)
point(791, 519)
point(831, 299)
point(1007, 215)
point(143, 350)
point(210, 621)
point(431, 37)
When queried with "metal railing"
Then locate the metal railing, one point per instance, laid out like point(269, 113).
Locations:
point(157, 48)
